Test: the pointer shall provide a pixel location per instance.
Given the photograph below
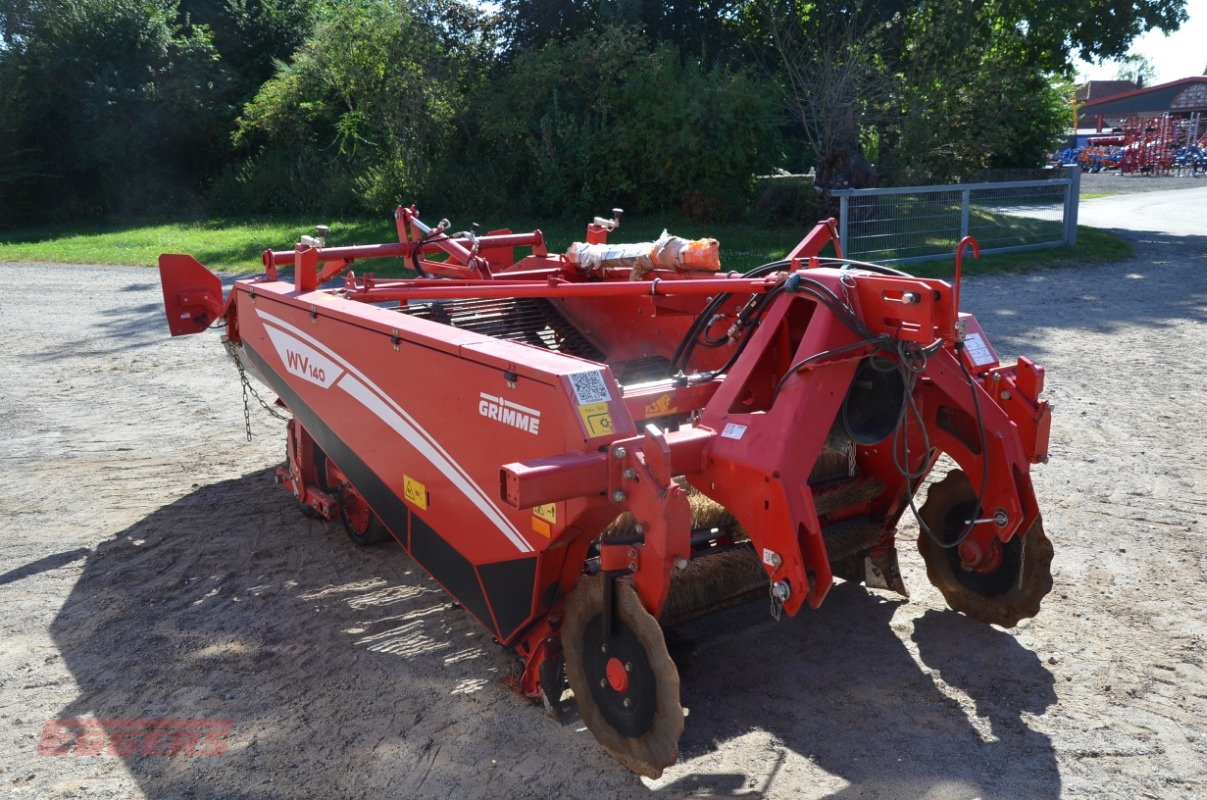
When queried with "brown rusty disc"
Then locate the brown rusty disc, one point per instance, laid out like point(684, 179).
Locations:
point(1003, 597)
point(633, 665)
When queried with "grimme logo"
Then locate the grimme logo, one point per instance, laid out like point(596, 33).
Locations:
point(509, 413)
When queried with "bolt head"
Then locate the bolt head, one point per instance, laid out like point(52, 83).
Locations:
point(628, 703)
point(628, 666)
point(618, 496)
point(619, 452)
point(603, 683)
point(603, 648)
point(630, 474)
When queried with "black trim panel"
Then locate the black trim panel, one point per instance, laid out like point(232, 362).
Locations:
point(509, 586)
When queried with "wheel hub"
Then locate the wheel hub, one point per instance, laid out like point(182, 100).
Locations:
point(619, 674)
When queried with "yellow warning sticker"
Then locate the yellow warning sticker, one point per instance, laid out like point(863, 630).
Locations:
point(547, 512)
point(660, 406)
point(596, 418)
point(414, 491)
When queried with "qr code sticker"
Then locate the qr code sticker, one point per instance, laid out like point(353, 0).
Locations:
point(589, 387)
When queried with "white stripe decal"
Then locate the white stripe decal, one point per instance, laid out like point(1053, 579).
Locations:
point(358, 386)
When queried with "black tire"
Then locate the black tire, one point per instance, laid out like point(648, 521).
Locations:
point(361, 524)
point(1010, 593)
point(640, 724)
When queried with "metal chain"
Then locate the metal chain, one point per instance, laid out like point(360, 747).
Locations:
point(247, 387)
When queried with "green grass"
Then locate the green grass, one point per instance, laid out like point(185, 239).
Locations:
point(235, 246)
point(931, 228)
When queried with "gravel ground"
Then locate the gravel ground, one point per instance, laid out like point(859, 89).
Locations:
point(1114, 183)
point(149, 568)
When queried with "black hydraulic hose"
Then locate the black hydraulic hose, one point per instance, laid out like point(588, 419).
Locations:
point(704, 320)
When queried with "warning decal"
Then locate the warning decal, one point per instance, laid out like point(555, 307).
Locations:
point(596, 419)
point(414, 491)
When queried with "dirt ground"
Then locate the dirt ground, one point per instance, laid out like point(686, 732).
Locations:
point(150, 568)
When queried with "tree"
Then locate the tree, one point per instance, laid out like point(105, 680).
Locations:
point(110, 107)
point(708, 30)
point(966, 99)
point(634, 124)
point(1137, 69)
point(831, 75)
point(940, 79)
point(362, 115)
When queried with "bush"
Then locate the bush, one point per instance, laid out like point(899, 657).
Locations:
point(356, 121)
point(607, 120)
point(791, 199)
point(108, 106)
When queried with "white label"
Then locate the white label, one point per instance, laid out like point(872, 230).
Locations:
point(978, 352)
point(771, 558)
point(733, 431)
point(302, 360)
point(589, 387)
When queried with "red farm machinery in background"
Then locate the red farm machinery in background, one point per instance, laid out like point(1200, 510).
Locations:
point(584, 449)
point(1152, 146)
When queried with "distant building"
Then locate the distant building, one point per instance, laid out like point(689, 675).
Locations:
point(1185, 98)
point(1101, 90)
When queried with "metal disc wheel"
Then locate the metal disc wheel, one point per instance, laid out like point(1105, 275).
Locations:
point(360, 522)
point(625, 685)
point(1011, 592)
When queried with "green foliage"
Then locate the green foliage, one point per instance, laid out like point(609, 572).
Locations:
point(967, 98)
point(708, 30)
point(359, 118)
point(119, 108)
point(607, 119)
point(1137, 69)
point(111, 107)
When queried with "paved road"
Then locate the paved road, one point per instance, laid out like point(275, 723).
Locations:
point(1177, 212)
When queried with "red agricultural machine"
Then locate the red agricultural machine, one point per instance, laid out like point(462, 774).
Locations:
point(585, 449)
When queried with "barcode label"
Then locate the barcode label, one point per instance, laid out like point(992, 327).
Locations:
point(978, 352)
point(733, 431)
point(589, 387)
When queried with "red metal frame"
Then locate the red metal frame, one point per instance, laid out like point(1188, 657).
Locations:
point(496, 464)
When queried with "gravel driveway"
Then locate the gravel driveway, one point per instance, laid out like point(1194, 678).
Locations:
point(149, 568)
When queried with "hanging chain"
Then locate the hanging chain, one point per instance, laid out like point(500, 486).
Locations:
point(231, 350)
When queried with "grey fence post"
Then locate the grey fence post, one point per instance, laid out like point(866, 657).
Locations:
point(843, 216)
point(1072, 200)
point(965, 203)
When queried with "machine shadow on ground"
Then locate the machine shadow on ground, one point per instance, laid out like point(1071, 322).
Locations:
point(347, 672)
point(137, 326)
